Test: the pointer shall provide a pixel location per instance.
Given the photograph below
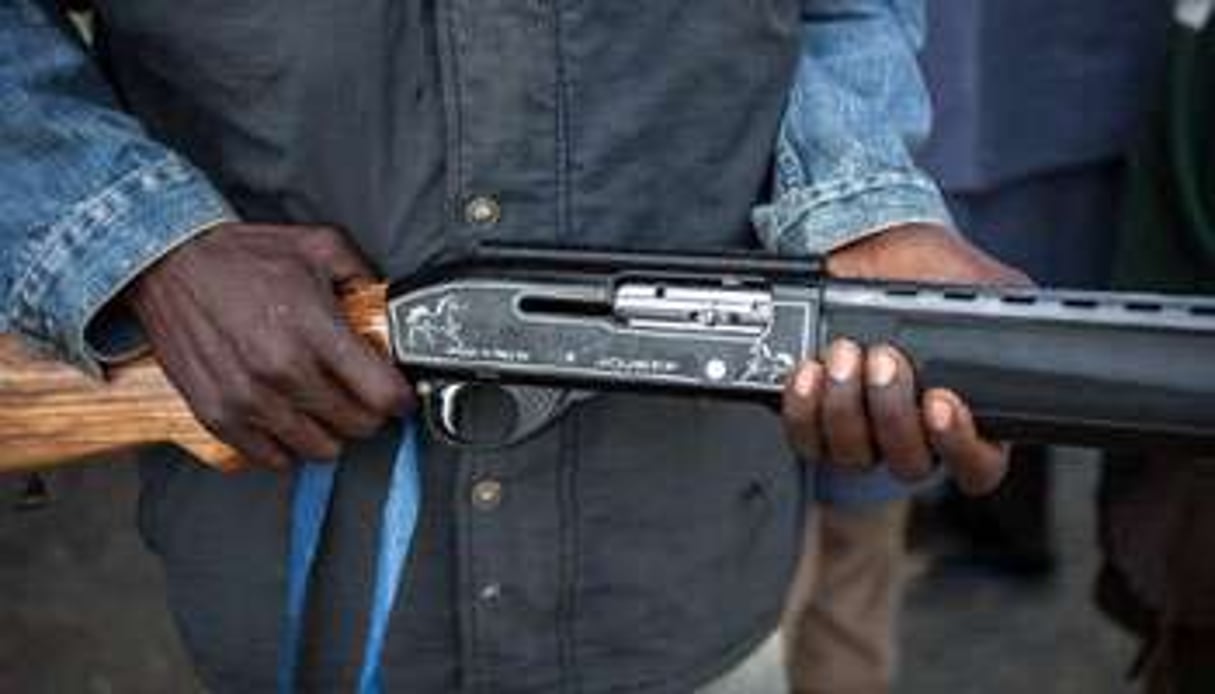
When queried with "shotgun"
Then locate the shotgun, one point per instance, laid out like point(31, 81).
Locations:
point(546, 326)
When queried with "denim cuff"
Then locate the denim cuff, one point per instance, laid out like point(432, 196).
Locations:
point(821, 218)
point(82, 260)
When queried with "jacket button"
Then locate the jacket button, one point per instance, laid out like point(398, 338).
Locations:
point(489, 593)
point(487, 495)
point(483, 210)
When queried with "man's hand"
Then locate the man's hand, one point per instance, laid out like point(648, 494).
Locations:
point(244, 321)
point(860, 406)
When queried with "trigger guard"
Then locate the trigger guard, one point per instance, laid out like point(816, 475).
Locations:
point(538, 409)
point(446, 397)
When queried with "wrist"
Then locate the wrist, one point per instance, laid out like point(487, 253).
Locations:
point(873, 254)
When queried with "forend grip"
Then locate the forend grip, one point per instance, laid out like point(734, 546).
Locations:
point(1055, 367)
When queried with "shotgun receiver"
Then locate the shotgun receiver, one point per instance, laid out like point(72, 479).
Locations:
point(543, 325)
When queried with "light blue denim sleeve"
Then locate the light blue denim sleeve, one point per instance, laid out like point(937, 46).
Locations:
point(844, 167)
point(857, 109)
point(87, 199)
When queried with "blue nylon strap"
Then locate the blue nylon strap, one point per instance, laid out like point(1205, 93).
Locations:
point(398, 522)
point(309, 508)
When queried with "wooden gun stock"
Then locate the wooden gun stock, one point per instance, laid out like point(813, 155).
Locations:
point(51, 414)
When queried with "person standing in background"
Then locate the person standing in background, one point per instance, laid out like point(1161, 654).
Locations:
point(1036, 103)
point(1155, 517)
point(839, 626)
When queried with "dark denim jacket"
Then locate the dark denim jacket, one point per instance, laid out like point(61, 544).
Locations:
point(643, 544)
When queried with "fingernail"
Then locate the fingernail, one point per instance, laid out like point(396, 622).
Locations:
point(842, 362)
point(806, 380)
point(882, 368)
point(940, 414)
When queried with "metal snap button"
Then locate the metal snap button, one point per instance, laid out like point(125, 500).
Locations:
point(483, 210)
point(487, 495)
point(490, 593)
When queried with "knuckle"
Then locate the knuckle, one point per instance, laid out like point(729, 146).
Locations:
point(320, 330)
point(277, 365)
point(386, 402)
point(323, 235)
point(239, 402)
point(313, 235)
point(321, 243)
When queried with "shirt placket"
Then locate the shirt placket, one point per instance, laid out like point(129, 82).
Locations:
point(500, 82)
point(501, 77)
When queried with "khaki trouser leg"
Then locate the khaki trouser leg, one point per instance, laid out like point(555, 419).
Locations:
point(840, 624)
point(762, 672)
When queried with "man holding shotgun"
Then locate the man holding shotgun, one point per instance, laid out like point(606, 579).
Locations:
point(226, 166)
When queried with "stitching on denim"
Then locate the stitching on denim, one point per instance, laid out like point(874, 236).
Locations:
point(827, 192)
point(845, 209)
point(454, 99)
point(86, 225)
point(852, 228)
point(789, 165)
point(468, 654)
point(86, 221)
point(796, 205)
point(561, 124)
point(900, 197)
point(567, 674)
point(569, 553)
point(72, 230)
